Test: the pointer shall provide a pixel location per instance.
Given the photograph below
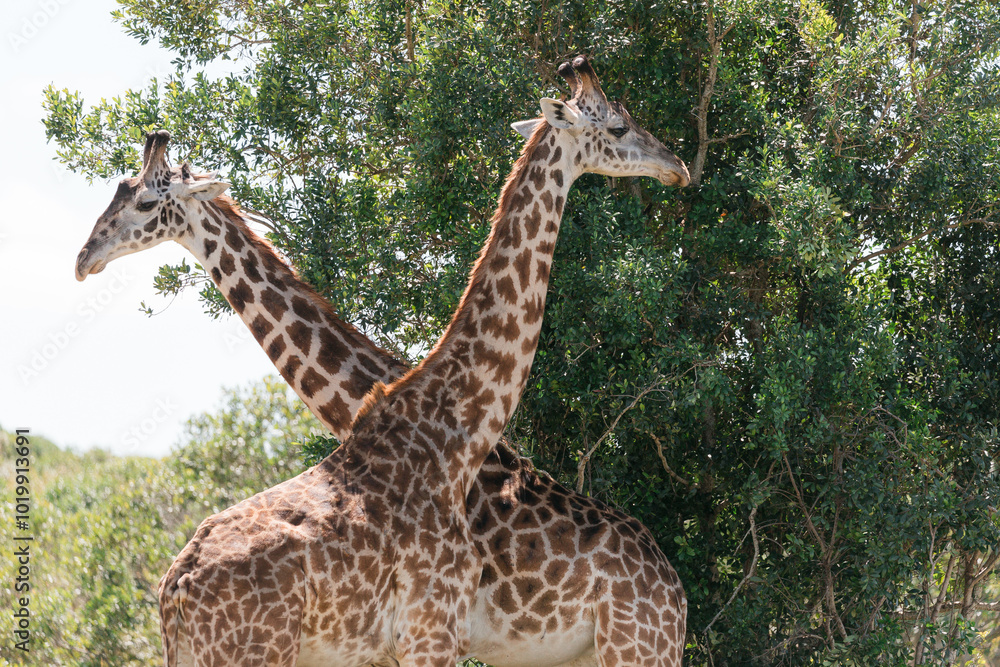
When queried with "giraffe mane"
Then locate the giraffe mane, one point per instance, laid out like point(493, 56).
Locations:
point(505, 206)
point(232, 211)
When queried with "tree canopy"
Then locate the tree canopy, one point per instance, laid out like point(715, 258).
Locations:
point(789, 371)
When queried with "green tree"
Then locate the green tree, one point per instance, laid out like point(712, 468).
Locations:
point(789, 371)
point(250, 444)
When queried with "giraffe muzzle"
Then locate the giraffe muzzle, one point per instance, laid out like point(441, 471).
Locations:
point(85, 266)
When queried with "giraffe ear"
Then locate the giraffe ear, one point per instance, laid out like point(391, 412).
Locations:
point(526, 127)
point(559, 114)
point(201, 190)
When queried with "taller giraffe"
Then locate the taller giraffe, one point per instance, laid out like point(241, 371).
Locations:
point(511, 483)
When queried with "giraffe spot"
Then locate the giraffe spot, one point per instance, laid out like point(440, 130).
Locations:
point(301, 336)
point(470, 328)
point(541, 152)
point(150, 226)
point(546, 247)
point(559, 205)
point(545, 605)
point(505, 288)
point(527, 588)
point(335, 413)
point(274, 303)
point(533, 222)
point(489, 576)
point(522, 264)
point(542, 269)
point(292, 365)
point(556, 155)
point(501, 364)
point(312, 382)
point(161, 233)
point(555, 571)
point(484, 296)
point(304, 309)
point(508, 232)
point(276, 348)
point(579, 157)
point(508, 330)
point(499, 262)
point(590, 536)
point(474, 410)
point(622, 154)
point(217, 275)
point(136, 234)
point(537, 177)
point(234, 238)
point(210, 247)
point(226, 262)
point(209, 227)
point(358, 384)
point(527, 624)
point(546, 199)
point(260, 327)
point(609, 153)
point(250, 268)
point(557, 176)
point(240, 296)
point(332, 351)
point(525, 519)
point(503, 598)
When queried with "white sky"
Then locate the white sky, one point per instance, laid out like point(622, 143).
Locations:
point(79, 363)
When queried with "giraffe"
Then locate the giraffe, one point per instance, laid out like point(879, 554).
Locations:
point(556, 566)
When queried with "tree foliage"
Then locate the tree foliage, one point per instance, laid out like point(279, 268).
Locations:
point(789, 371)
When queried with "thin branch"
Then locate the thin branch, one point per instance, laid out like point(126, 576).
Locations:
point(582, 466)
point(701, 111)
point(750, 572)
point(677, 478)
point(914, 239)
point(951, 605)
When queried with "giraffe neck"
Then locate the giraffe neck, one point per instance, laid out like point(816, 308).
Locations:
point(326, 361)
point(471, 382)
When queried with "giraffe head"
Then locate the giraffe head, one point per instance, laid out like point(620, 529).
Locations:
point(602, 134)
point(147, 209)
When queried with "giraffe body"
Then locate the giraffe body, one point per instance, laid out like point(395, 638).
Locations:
point(369, 557)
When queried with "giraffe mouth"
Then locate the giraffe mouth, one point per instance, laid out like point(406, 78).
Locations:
point(83, 269)
point(675, 176)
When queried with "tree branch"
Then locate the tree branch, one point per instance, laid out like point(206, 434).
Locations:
point(914, 239)
point(749, 574)
point(582, 466)
point(701, 111)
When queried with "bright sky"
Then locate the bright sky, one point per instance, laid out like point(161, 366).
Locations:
point(80, 363)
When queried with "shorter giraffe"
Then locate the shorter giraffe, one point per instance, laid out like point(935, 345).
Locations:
point(552, 558)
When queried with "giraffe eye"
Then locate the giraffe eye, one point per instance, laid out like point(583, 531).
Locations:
point(146, 206)
point(619, 131)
